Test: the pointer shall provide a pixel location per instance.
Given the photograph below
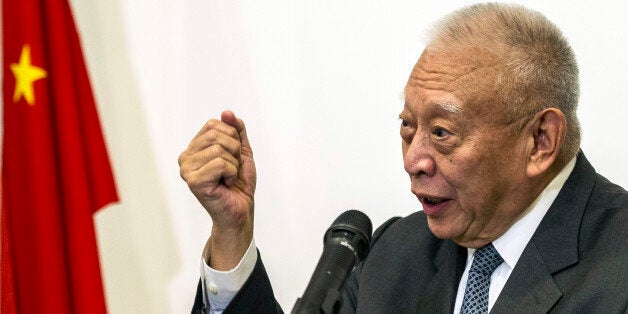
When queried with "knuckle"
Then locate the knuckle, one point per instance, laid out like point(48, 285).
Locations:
point(231, 132)
point(232, 147)
point(212, 123)
point(215, 150)
point(234, 133)
point(211, 136)
point(225, 166)
point(189, 178)
point(186, 174)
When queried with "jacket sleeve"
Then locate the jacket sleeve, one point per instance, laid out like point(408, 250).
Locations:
point(256, 295)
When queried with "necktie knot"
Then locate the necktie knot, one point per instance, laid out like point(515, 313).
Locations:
point(486, 259)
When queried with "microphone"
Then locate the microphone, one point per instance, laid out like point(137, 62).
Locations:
point(346, 242)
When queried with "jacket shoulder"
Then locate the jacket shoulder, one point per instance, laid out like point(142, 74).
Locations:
point(400, 264)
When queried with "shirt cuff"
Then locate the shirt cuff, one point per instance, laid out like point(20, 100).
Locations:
point(220, 287)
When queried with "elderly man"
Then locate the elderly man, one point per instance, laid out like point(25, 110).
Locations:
point(514, 218)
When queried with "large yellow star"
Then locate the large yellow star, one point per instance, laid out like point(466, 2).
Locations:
point(25, 75)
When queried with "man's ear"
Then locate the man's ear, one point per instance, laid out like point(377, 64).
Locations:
point(548, 131)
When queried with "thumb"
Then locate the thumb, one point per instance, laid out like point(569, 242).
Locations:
point(229, 117)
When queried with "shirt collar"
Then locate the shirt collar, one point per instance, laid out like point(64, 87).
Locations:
point(512, 243)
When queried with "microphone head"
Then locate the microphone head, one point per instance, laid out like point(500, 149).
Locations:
point(355, 224)
point(346, 243)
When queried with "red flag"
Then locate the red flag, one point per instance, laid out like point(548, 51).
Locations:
point(55, 171)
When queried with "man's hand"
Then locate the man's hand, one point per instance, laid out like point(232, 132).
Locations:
point(218, 167)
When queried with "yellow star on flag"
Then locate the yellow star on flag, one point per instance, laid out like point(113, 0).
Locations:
point(25, 75)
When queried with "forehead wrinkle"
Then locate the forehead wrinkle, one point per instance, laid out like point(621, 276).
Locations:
point(468, 71)
point(433, 79)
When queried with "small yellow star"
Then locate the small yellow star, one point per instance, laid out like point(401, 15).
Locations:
point(25, 75)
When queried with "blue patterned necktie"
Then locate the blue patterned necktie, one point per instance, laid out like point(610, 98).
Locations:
point(485, 260)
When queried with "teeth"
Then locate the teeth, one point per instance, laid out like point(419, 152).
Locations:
point(433, 200)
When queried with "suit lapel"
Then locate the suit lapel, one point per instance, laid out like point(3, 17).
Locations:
point(554, 246)
point(440, 293)
point(530, 287)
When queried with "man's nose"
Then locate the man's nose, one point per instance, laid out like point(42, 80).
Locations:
point(419, 158)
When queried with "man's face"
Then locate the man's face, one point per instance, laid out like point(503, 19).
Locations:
point(466, 167)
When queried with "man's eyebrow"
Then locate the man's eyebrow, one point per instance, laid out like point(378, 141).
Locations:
point(450, 107)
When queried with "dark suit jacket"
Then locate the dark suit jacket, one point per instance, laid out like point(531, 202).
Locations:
point(576, 262)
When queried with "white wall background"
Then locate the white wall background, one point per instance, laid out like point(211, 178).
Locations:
point(318, 84)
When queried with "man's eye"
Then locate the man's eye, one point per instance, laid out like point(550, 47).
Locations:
point(406, 130)
point(440, 132)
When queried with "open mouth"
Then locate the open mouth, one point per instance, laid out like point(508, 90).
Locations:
point(432, 200)
point(434, 206)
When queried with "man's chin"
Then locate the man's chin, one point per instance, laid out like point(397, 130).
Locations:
point(442, 229)
point(456, 234)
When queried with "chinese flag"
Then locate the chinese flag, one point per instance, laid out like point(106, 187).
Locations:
point(55, 169)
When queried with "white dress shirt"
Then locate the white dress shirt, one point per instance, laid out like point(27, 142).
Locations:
point(220, 287)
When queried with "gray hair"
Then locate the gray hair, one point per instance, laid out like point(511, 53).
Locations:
point(538, 66)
